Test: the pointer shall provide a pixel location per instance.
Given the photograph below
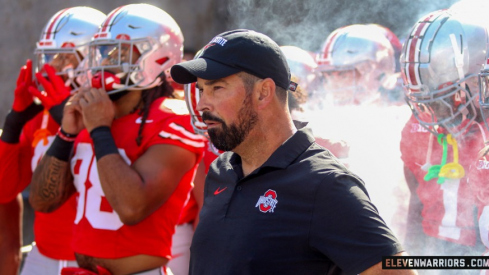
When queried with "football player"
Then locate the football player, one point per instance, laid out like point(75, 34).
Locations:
point(29, 128)
point(134, 153)
point(357, 62)
point(442, 138)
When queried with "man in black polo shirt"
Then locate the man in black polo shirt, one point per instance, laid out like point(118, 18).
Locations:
point(276, 202)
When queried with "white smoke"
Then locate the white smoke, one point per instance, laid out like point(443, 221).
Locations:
point(306, 24)
point(373, 134)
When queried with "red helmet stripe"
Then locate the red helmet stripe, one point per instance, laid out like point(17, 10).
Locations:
point(413, 56)
point(329, 44)
point(413, 48)
point(54, 23)
point(414, 43)
point(330, 41)
point(110, 18)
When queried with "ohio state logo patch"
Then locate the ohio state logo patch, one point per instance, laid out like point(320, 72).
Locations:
point(267, 202)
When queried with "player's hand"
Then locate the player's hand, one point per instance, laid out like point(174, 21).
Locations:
point(97, 108)
point(55, 91)
point(72, 121)
point(22, 97)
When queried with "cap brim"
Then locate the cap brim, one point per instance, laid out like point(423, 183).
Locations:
point(188, 71)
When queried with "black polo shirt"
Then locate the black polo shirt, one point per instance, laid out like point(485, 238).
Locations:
point(301, 212)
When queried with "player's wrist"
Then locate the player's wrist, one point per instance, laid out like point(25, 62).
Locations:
point(56, 111)
point(60, 148)
point(103, 142)
point(66, 136)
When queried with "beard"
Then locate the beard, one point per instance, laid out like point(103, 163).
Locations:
point(230, 136)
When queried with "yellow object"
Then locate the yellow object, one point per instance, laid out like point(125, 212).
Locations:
point(452, 170)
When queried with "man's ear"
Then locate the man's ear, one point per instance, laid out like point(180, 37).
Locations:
point(266, 92)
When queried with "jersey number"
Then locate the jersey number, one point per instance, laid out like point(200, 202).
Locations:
point(91, 196)
point(448, 227)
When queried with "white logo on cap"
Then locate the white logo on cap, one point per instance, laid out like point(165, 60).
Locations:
point(218, 40)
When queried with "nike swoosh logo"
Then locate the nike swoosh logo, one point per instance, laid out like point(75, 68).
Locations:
point(218, 190)
point(139, 120)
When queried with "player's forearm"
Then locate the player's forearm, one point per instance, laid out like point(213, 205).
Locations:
point(124, 189)
point(123, 186)
point(52, 184)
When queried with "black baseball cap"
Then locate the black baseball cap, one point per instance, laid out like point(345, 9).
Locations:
point(235, 51)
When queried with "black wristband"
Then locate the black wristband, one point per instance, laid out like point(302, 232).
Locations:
point(60, 149)
point(65, 136)
point(56, 111)
point(15, 121)
point(103, 142)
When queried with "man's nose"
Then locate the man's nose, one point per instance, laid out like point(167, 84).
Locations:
point(202, 103)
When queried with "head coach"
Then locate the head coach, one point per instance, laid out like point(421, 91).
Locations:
point(276, 202)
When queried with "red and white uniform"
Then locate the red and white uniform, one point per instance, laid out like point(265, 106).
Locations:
point(53, 231)
point(98, 230)
point(478, 178)
point(191, 209)
point(184, 231)
point(447, 207)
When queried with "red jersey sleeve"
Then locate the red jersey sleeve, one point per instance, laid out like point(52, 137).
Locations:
point(14, 173)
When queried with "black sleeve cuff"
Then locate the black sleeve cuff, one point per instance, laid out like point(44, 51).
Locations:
point(103, 142)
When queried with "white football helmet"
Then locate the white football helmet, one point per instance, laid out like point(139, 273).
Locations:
point(395, 42)
point(64, 43)
point(356, 61)
point(302, 65)
point(440, 61)
point(192, 97)
point(133, 47)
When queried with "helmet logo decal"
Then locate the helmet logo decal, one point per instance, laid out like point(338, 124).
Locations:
point(45, 43)
point(123, 36)
point(162, 60)
point(267, 202)
point(68, 45)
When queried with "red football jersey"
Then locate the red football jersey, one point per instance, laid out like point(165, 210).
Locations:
point(191, 209)
point(210, 154)
point(447, 207)
point(99, 231)
point(16, 174)
point(478, 178)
